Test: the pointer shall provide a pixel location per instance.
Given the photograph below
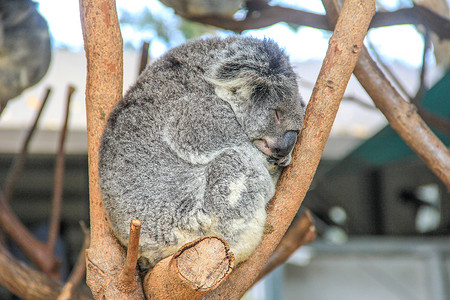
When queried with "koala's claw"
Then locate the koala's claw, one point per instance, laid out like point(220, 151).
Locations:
point(281, 162)
point(272, 159)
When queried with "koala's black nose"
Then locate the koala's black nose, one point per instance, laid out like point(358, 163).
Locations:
point(285, 145)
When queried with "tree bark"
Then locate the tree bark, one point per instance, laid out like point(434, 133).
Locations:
point(103, 46)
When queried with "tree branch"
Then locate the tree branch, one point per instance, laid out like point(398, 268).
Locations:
point(144, 57)
point(401, 115)
point(31, 247)
point(28, 283)
point(19, 160)
point(266, 15)
point(78, 271)
point(343, 51)
point(127, 276)
point(301, 232)
point(103, 46)
point(423, 72)
point(388, 71)
point(414, 15)
point(434, 120)
point(55, 218)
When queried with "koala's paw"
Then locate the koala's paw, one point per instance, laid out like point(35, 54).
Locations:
point(144, 264)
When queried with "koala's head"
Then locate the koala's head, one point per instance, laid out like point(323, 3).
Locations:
point(256, 79)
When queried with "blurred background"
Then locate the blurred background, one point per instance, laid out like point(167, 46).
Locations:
point(383, 218)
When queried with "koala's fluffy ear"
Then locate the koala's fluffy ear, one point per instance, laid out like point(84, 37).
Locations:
point(251, 72)
point(235, 82)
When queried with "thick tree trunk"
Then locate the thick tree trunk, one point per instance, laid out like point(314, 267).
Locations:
point(103, 46)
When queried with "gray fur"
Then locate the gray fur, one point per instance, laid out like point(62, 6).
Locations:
point(184, 150)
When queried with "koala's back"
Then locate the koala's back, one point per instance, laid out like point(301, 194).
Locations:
point(159, 158)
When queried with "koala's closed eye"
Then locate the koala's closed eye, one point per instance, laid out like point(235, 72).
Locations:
point(277, 116)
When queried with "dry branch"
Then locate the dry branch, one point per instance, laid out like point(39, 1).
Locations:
point(423, 72)
point(34, 250)
point(403, 118)
point(197, 268)
point(144, 57)
point(432, 119)
point(55, 218)
point(266, 15)
point(103, 46)
point(388, 71)
point(19, 160)
point(301, 232)
point(343, 51)
point(414, 15)
point(28, 283)
point(127, 276)
point(401, 115)
point(78, 271)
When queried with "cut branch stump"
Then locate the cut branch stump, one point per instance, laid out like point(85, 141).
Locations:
point(197, 268)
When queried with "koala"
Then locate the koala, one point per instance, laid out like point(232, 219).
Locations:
point(197, 145)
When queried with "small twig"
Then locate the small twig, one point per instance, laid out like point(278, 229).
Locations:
point(55, 218)
point(388, 70)
point(2, 107)
point(359, 102)
point(301, 232)
point(423, 72)
point(144, 57)
point(78, 271)
point(128, 273)
point(19, 160)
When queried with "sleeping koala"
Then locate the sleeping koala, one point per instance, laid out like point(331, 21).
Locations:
point(197, 145)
